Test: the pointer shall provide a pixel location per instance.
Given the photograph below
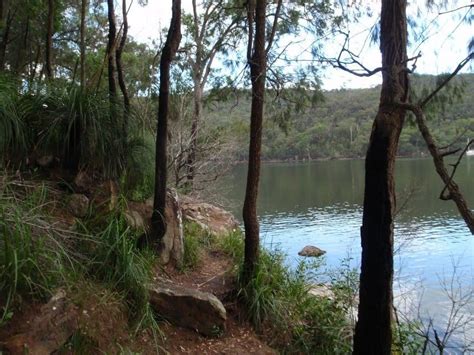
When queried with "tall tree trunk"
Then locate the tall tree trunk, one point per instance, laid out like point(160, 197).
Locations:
point(373, 334)
point(257, 73)
point(111, 51)
point(5, 36)
point(169, 51)
point(84, 6)
point(121, 80)
point(49, 40)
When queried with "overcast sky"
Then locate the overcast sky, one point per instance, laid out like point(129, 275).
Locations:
point(441, 51)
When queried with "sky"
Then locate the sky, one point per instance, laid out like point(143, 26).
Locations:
point(444, 45)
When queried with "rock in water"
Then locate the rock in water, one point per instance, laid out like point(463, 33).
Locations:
point(311, 251)
point(78, 205)
point(189, 308)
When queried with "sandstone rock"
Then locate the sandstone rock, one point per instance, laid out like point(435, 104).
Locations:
point(47, 332)
point(311, 251)
point(209, 217)
point(82, 182)
point(189, 308)
point(135, 220)
point(322, 291)
point(172, 244)
point(45, 161)
point(78, 205)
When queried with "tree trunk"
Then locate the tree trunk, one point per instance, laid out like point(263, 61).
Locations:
point(84, 6)
point(169, 51)
point(198, 90)
point(373, 334)
point(257, 73)
point(121, 80)
point(49, 40)
point(111, 50)
point(5, 38)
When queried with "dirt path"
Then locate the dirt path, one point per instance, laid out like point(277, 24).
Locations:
point(212, 275)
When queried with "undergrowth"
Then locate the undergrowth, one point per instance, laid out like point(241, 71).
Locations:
point(38, 255)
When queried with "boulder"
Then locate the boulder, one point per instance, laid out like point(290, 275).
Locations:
point(45, 161)
point(215, 220)
point(78, 205)
point(189, 308)
point(311, 251)
point(82, 182)
point(172, 244)
point(47, 332)
point(134, 220)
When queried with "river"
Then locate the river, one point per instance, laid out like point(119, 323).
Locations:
point(320, 203)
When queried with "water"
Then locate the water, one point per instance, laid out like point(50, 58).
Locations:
point(320, 203)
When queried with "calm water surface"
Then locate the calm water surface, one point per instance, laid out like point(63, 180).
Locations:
point(319, 203)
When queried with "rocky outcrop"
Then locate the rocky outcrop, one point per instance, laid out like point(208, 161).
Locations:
point(189, 308)
point(215, 220)
point(311, 251)
point(78, 205)
point(46, 333)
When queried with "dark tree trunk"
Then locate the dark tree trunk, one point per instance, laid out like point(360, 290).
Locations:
point(373, 334)
point(257, 73)
point(49, 40)
point(84, 6)
point(20, 56)
point(111, 51)
point(121, 80)
point(5, 38)
point(169, 50)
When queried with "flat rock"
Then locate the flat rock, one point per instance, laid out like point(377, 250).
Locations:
point(311, 251)
point(78, 205)
point(189, 308)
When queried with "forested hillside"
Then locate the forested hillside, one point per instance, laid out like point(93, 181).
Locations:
point(340, 125)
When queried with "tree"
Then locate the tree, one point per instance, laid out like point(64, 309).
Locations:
point(121, 79)
point(169, 51)
point(82, 42)
point(211, 31)
point(257, 60)
point(111, 50)
point(48, 66)
point(373, 333)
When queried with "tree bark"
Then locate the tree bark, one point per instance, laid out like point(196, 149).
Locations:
point(373, 334)
point(5, 37)
point(111, 50)
point(49, 41)
point(169, 51)
point(84, 6)
point(198, 91)
point(121, 80)
point(257, 73)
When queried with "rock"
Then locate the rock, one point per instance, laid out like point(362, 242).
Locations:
point(214, 219)
point(82, 182)
point(47, 332)
point(172, 244)
point(189, 308)
point(78, 205)
point(45, 161)
point(135, 220)
point(311, 251)
point(322, 291)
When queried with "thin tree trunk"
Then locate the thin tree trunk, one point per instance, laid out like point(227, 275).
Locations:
point(84, 6)
point(373, 333)
point(22, 48)
point(111, 51)
point(194, 131)
point(257, 72)
point(121, 80)
point(49, 40)
point(169, 51)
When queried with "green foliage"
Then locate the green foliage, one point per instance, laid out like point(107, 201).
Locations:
point(196, 239)
point(407, 339)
